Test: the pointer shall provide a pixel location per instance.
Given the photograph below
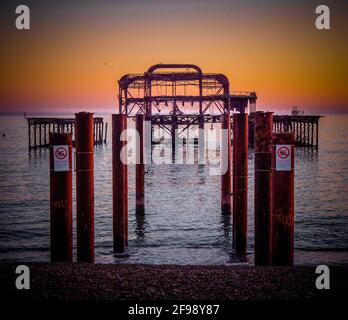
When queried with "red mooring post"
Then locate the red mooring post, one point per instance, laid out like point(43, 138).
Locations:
point(263, 123)
point(240, 182)
point(61, 197)
point(85, 186)
point(139, 167)
point(282, 199)
point(226, 187)
point(119, 184)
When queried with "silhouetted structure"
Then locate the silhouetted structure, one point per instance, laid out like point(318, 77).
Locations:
point(175, 91)
point(39, 129)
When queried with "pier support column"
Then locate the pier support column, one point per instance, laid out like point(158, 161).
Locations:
point(45, 134)
point(201, 141)
point(93, 132)
point(317, 134)
point(85, 186)
point(102, 133)
point(240, 193)
point(119, 184)
point(40, 136)
point(282, 199)
point(263, 125)
point(100, 136)
point(35, 144)
point(106, 132)
point(139, 167)
point(29, 134)
point(226, 186)
point(61, 241)
point(174, 129)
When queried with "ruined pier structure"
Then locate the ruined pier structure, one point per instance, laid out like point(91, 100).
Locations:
point(181, 96)
point(305, 128)
point(40, 128)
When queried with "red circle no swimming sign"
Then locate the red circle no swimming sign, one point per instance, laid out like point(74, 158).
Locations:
point(283, 153)
point(61, 153)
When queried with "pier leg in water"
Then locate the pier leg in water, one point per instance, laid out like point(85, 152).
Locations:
point(174, 136)
point(226, 164)
point(119, 184)
point(139, 167)
point(240, 193)
point(85, 186)
point(263, 187)
point(61, 197)
point(283, 199)
point(201, 141)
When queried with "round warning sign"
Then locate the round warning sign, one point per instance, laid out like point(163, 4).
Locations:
point(61, 158)
point(283, 157)
point(61, 153)
point(283, 152)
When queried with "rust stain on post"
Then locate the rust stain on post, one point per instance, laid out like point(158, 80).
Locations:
point(61, 240)
point(85, 186)
point(119, 184)
point(240, 183)
point(263, 187)
point(282, 205)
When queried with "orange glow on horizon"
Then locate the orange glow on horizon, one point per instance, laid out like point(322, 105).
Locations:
point(76, 63)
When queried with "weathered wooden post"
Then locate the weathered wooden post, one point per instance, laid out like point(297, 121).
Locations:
point(240, 193)
point(283, 199)
point(85, 186)
point(119, 184)
point(61, 197)
point(226, 163)
point(139, 167)
point(263, 187)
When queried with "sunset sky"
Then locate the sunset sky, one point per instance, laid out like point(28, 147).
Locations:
point(74, 53)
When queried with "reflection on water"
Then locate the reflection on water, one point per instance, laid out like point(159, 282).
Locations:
point(182, 222)
point(140, 227)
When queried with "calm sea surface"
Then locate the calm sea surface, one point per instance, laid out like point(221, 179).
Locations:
point(183, 224)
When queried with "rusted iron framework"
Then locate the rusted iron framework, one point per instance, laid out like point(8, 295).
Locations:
point(173, 95)
point(180, 87)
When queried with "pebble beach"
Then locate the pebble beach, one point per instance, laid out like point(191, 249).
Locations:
point(82, 281)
